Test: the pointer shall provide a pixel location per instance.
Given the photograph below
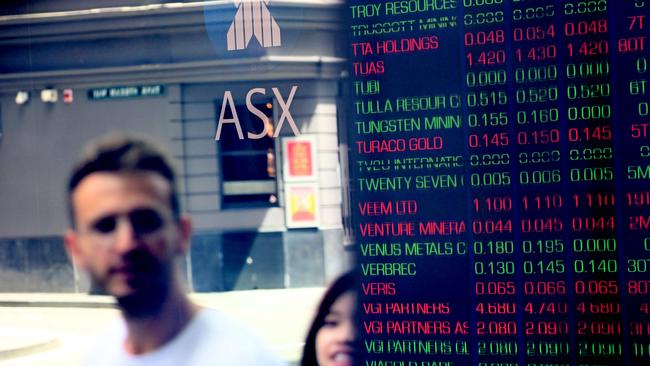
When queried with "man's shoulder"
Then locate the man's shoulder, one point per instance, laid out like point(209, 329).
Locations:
point(211, 338)
point(219, 327)
point(107, 348)
point(223, 338)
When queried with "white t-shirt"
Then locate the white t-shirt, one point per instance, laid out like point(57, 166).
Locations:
point(210, 338)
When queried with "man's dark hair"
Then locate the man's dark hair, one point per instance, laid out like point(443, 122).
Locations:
point(123, 154)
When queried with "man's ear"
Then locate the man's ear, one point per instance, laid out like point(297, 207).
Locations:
point(185, 234)
point(71, 241)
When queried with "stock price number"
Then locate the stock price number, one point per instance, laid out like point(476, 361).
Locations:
point(496, 308)
point(537, 12)
point(596, 287)
point(599, 328)
point(600, 245)
point(487, 17)
point(546, 308)
point(483, 38)
point(541, 137)
point(537, 53)
point(497, 348)
point(486, 78)
point(594, 199)
point(542, 225)
point(549, 176)
point(588, 91)
point(599, 349)
point(588, 48)
point(543, 267)
point(542, 202)
point(533, 33)
point(548, 246)
point(548, 349)
point(489, 179)
point(544, 288)
point(485, 98)
point(490, 226)
point(596, 133)
point(489, 119)
point(603, 308)
point(551, 115)
point(585, 7)
point(539, 157)
point(535, 74)
point(494, 268)
point(508, 328)
point(483, 58)
point(589, 112)
point(489, 159)
point(595, 266)
point(494, 247)
point(488, 140)
point(591, 223)
point(495, 288)
point(536, 95)
point(492, 204)
point(597, 153)
point(587, 69)
point(548, 328)
point(591, 174)
point(585, 28)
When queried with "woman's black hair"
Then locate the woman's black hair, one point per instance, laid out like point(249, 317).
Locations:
point(342, 285)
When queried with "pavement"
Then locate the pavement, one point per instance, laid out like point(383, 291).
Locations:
point(34, 326)
point(16, 341)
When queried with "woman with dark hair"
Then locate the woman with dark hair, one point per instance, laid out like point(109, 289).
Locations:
point(331, 340)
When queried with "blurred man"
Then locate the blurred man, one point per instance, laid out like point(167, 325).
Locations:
point(127, 232)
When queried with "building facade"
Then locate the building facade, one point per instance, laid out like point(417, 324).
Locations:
point(247, 96)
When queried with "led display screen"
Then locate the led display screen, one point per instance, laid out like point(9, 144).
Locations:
point(500, 181)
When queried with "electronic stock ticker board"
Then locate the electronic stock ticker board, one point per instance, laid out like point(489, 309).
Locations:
point(500, 181)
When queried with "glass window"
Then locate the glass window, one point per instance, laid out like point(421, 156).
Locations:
point(248, 164)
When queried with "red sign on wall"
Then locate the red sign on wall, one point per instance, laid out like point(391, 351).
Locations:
point(299, 159)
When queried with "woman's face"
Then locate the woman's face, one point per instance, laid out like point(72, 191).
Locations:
point(336, 338)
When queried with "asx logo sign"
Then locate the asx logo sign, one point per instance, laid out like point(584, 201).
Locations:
point(253, 19)
point(229, 104)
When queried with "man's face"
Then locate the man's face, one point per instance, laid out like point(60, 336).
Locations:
point(125, 235)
